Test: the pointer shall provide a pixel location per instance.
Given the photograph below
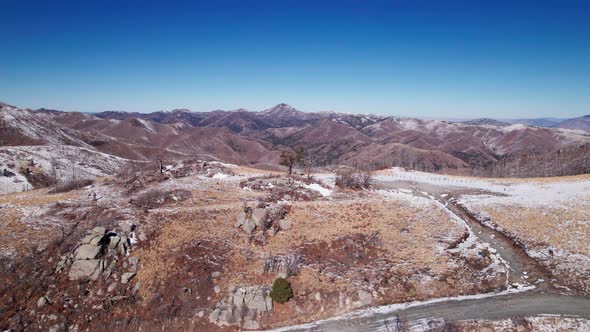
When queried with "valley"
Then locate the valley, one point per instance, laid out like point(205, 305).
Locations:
point(183, 220)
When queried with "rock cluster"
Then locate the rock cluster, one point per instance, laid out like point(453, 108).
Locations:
point(283, 266)
point(242, 307)
point(271, 218)
point(98, 254)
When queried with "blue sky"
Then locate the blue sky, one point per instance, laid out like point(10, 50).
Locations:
point(455, 59)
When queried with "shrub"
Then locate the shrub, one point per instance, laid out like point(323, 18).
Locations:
point(353, 179)
point(281, 291)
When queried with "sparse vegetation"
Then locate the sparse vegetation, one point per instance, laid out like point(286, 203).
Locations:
point(290, 159)
point(281, 291)
point(353, 179)
point(156, 198)
point(71, 185)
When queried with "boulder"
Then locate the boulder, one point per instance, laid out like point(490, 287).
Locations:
point(249, 322)
point(249, 226)
point(253, 297)
point(87, 251)
point(223, 314)
point(365, 297)
point(112, 287)
point(125, 277)
point(114, 242)
point(99, 231)
point(240, 219)
point(96, 240)
point(259, 217)
point(88, 238)
point(137, 287)
point(242, 307)
point(85, 269)
point(108, 269)
point(41, 302)
point(285, 224)
point(133, 261)
point(61, 327)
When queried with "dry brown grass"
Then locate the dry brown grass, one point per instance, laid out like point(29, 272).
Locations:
point(557, 236)
point(35, 198)
point(566, 229)
point(18, 237)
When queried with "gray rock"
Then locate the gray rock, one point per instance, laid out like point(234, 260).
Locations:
point(142, 237)
point(137, 287)
point(259, 217)
point(87, 238)
point(123, 245)
point(253, 297)
point(99, 230)
point(114, 242)
point(240, 220)
point(85, 268)
point(250, 322)
point(133, 264)
point(249, 226)
point(58, 328)
point(87, 251)
point(62, 264)
point(125, 277)
point(96, 240)
point(41, 302)
point(217, 289)
point(112, 287)
point(223, 314)
point(285, 224)
point(108, 270)
point(365, 297)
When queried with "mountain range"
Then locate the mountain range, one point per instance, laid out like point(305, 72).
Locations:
point(480, 147)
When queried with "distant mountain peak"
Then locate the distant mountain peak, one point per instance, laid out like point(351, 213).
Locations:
point(487, 121)
point(282, 108)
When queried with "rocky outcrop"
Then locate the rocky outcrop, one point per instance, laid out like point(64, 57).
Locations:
point(87, 251)
point(98, 254)
point(242, 307)
point(85, 269)
point(269, 218)
point(259, 217)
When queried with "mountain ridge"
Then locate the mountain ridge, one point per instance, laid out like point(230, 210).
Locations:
point(330, 138)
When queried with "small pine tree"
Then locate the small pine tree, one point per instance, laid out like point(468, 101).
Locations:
point(289, 159)
point(281, 291)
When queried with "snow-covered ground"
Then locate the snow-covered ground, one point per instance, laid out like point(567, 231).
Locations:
point(63, 162)
point(13, 184)
point(559, 192)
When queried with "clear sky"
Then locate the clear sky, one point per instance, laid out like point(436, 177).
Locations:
point(456, 59)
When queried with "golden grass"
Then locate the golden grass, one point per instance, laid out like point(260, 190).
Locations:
point(567, 229)
point(36, 198)
point(17, 236)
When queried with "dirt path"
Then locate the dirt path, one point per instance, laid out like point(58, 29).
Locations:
point(537, 298)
